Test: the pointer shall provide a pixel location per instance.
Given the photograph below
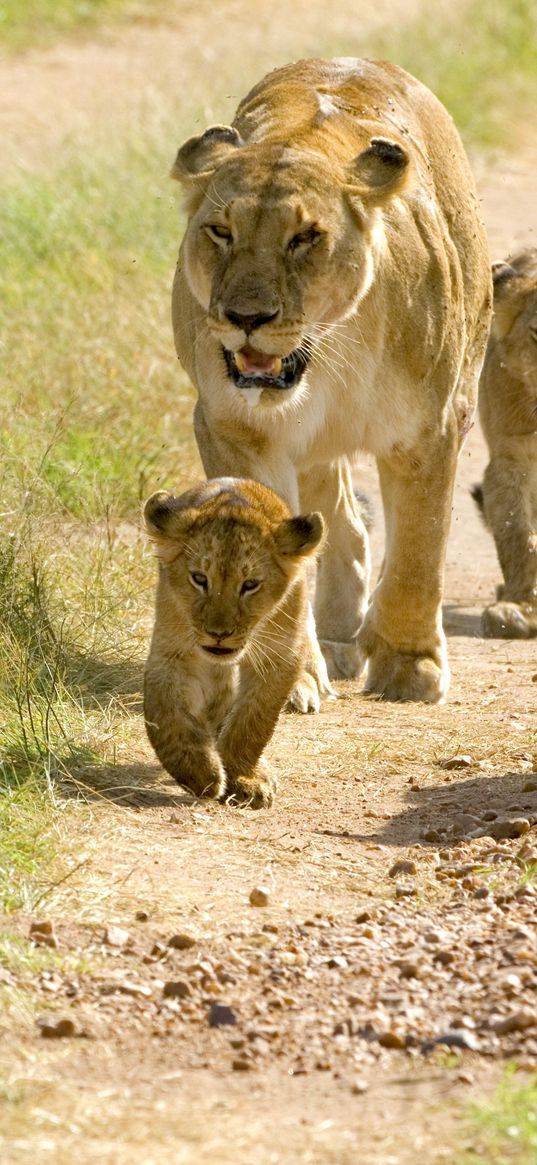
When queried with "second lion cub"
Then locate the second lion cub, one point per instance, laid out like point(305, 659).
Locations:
point(230, 631)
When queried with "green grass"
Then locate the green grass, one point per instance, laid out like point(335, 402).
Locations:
point(505, 1128)
point(480, 60)
point(25, 23)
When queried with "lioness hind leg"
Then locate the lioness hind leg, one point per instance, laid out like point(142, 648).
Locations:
point(343, 569)
point(402, 634)
point(509, 621)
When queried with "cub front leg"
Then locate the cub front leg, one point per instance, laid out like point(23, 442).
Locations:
point(343, 569)
point(267, 675)
point(402, 635)
point(510, 511)
point(182, 741)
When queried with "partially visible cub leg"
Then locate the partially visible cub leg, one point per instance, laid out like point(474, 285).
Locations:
point(182, 741)
point(510, 512)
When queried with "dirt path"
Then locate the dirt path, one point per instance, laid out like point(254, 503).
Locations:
point(312, 1069)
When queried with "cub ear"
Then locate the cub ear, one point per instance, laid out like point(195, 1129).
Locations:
point(380, 171)
point(160, 518)
point(506, 284)
point(299, 537)
point(200, 156)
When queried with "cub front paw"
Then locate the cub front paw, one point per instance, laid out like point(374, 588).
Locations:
point(399, 675)
point(509, 621)
point(255, 791)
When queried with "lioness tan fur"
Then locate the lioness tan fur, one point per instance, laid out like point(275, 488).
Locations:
point(508, 413)
point(230, 632)
point(333, 295)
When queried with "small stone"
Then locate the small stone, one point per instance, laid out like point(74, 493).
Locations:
point(509, 827)
point(363, 916)
point(530, 786)
point(459, 761)
point(408, 970)
point(241, 1064)
point(42, 934)
point(431, 835)
point(454, 1038)
point(181, 942)
point(58, 1029)
point(337, 962)
point(141, 916)
point(359, 1086)
point(517, 1021)
point(404, 890)
point(392, 1039)
point(176, 989)
point(221, 1015)
point(259, 896)
point(116, 936)
point(403, 866)
point(443, 956)
point(489, 815)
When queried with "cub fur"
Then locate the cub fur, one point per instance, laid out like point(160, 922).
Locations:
point(230, 632)
point(507, 497)
point(332, 295)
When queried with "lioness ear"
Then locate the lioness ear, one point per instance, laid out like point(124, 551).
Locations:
point(380, 171)
point(199, 156)
point(298, 537)
point(160, 517)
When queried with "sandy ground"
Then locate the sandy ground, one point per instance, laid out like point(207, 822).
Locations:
point(361, 786)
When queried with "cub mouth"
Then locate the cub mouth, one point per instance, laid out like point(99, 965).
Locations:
point(249, 368)
point(220, 650)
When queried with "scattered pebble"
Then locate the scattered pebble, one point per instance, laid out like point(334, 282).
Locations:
point(181, 942)
point(116, 936)
point(403, 866)
point(359, 1086)
point(57, 1029)
point(221, 1015)
point(259, 896)
point(461, 760)
point(176, 989)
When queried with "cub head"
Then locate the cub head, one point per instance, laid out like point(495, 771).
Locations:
point(280, 244)
point(514, 325)
point(228, 551)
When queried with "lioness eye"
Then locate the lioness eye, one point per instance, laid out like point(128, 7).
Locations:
point(218, 232)
point(305, 238)
point(200, 580)
point(250, 585)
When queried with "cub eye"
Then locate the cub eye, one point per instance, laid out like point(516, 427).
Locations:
point(218, 233)
point(199, 580)
point(250, 585)
point(306, 238)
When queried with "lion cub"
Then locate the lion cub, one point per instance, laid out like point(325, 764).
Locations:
point(508, 411)
point(230, 631)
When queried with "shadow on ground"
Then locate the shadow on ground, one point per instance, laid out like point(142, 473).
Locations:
point(442, 809)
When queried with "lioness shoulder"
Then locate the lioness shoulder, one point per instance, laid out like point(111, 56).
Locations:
point(230, 631)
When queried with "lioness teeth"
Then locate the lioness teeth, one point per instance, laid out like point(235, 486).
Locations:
point(249, 361)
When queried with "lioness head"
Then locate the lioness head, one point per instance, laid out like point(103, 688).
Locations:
point(228, 551)
point(279, 245)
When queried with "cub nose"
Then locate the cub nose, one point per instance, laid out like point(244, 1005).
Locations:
point(249, 323)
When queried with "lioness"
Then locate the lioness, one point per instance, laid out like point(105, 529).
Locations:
point(333, 294)
point(508, 413)
point(230, 631)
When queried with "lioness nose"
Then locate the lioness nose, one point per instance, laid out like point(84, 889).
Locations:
point(249, 323)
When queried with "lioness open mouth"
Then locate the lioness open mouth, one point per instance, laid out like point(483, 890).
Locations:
point(249, 368)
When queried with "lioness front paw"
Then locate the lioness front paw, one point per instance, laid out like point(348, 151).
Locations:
point(398, 675)
point(509, 621)
point(256, 791)
point(344, 660)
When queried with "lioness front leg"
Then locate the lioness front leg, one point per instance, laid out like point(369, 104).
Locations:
point(509, 511)
point(183, 744)
point(343, 569)
point(402, 633)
